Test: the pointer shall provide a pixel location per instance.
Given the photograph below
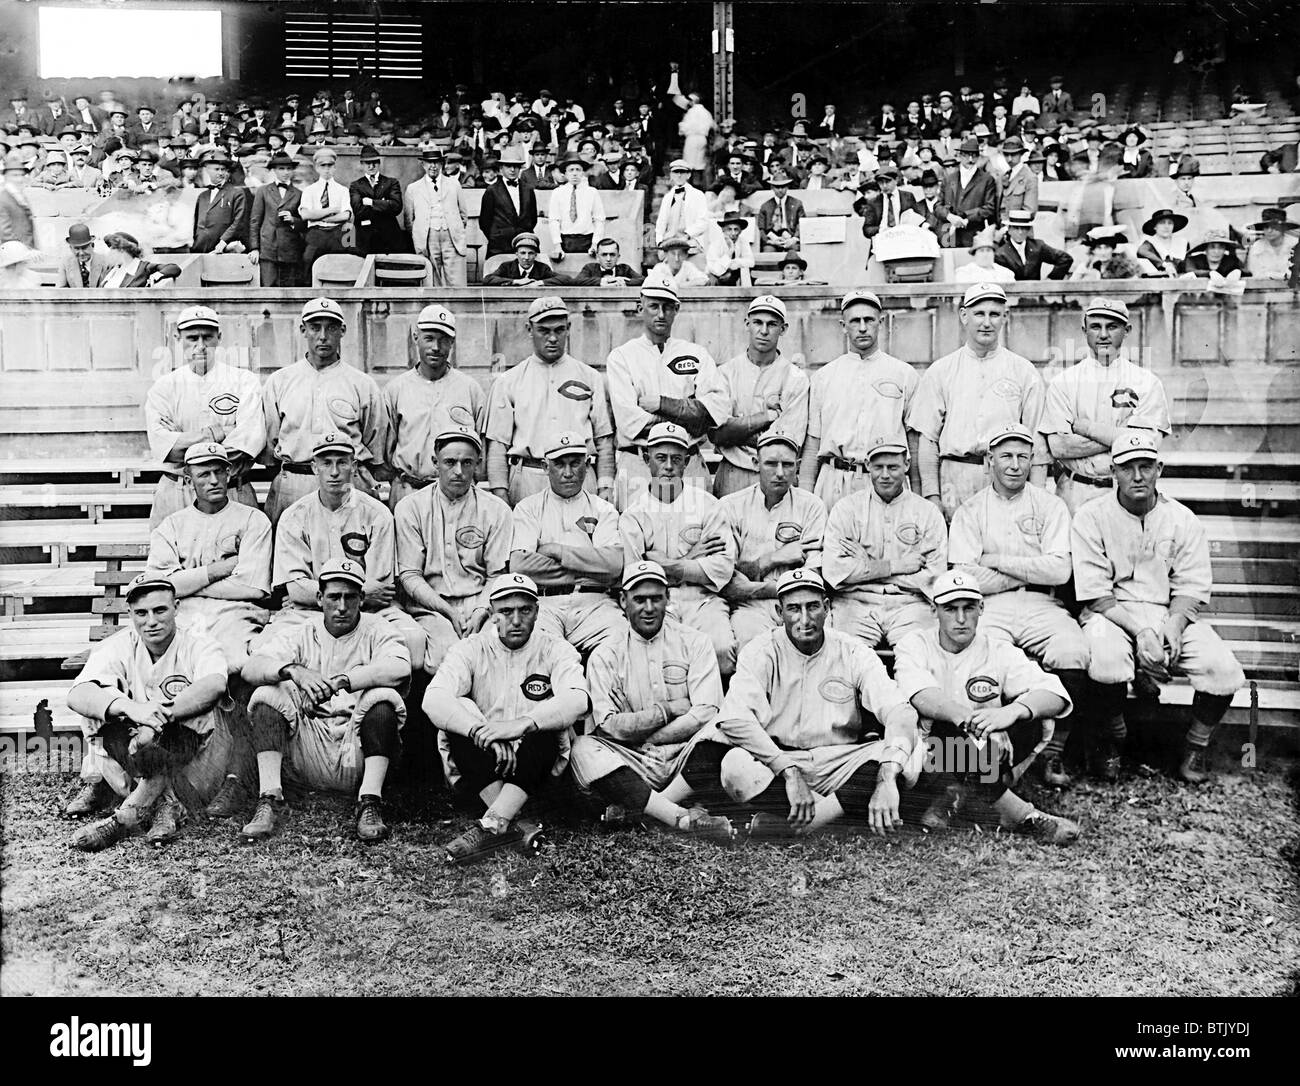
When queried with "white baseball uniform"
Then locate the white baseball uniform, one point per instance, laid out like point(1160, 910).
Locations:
point(583, 615)
point(187, 541)
point(960, 399)
point(678, 663)
point(325, 741)
point(678, 369)
point(1121, 394)
point(457, 547)
point(1144, 562)
point(481, 679)
point(891, 607)
point(184, 401)
point(1030, 536)
point(853, 402)
point(750, 389)
point(418, 411)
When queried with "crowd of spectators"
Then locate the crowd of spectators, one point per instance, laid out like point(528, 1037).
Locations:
point(958, 166)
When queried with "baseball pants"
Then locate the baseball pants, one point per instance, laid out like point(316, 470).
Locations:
point(1204, 659)
point(1076, 494)
point(835, 483)
point(524, 481)
point(583, 619)
point(993, 770)
point(235, 624)
point(406, 627)
point(707, 613)
point(752, 618)
point(957, 482)
point(440, 635)
point(474, 768)
point(729, 478)
point(1037, 623)
point(179, 749)
point(881, 618)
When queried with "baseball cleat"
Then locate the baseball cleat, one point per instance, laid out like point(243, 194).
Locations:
point(167, 822)
point(94, 797)
point(262, 825)
point(1195, 765)
point(1049, 829)
point(699, 823)
point(371, 826)
point(96, 836)
point(478, 842)
point(230, 800)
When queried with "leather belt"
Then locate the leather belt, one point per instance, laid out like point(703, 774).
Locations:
point(555, 590)
point(1090, 480)
point(848, 465)
point(968, 458)
point(415, 480)
point(1045, 589)
point(526, 462)
point(296, 469)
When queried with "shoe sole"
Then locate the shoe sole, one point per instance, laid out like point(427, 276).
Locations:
point(529, 843)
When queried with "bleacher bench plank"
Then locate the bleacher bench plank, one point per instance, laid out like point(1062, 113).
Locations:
point(19, 701)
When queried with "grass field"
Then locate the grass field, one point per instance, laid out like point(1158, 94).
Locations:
point(1171, 891)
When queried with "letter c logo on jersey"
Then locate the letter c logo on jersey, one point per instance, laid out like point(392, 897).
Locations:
point(224, 403)
point(355, 545)
point(470, 536)
point(1006, 389)
point(588, 525)
point(1124, 397)
point(788, 532)
point(343, 409)
point(460, 415)
point(908, 534)
point(690, 535)
point(536, 687)
point(982, 688)
point(574, 390)
point(837, 690)
point(684, 365)
point(172, 686)
point(1031, 526)
point(891, 390)
point(675, 674)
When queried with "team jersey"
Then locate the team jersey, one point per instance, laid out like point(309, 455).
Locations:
point(908, 525)
point(534, 402)
point(671, 529)
point(309, 535)
point(679, 369)
point(750, 387)
point(189, 539)
point(184, 401)
point(303, 404)
point(456, 546)
point(856, 400)
point(799, 517)
point(581, 521)
point(1033, 525)
point(420, 409)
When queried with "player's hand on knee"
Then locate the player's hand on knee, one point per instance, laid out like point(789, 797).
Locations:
point(1172, 637)
point(882, 811)
point(505, 755)
point(993, 719)
point(1151, 654)
point(803, 803)
point(314, 686)
point(142, 738)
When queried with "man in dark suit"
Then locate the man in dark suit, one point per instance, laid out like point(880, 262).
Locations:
point(509, 206)
point(947, 112)
point(81, 265)
point(221, 215)
point(276, 231)
point(1058, 106)
point(377, 208)
point(536, 175)
point(971, 195)
point(885, 208)
point(606, 271)
point(1024, 255)
point(930, 207)
point(778, 219)
point(525, 270)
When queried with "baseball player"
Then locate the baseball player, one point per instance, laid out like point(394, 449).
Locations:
point(546, 394)
point(505, 701)
point(766, 392)
point(567, 541)
point(1091, 402)
point(432, 397)
point(653, 690)
point(777, 526)
point(1013, 540)
point(854, 398)
point(321, 394)
point(203, 400)
point(794, 713)
point(337, 521)
point(217, 555)
point(452, 539)
point(965, 395)
point(1142, 571)
point(982, 703)
point(148, 696)
point(883, 547)
point(326, 696)
point(681, 528)
point(659, 378)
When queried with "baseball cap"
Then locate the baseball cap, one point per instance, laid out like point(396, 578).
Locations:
point(147, 582)
point(658, 287)
point(800, 578)
point(547, 305)
point(1009, 431)
point(509, 584)
point(1134, 444)
point(767, 303)
point(457, 433)
point(437, 317)
point(643, 571)
point(983, 292)
point(322, 307)
point(565, 443)
point(332, 442)
point(206, 451)
point(1107, 307)
point(955, 585)
point(197, 316)
point(887, 445)
point(342, 569)
point(860, 295)
point(526, 238)
point(668, 433)
point(778, 437)
point(679, 164)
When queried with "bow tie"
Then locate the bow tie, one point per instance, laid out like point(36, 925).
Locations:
point(512, 184)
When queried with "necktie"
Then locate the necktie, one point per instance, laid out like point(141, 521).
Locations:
point(573, 204)
point(890, 221)
point(325, 196)
point(85, 275)
point(780, 215)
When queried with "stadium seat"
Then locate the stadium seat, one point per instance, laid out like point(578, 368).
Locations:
point(340, 270)
point(492, 263)
point(227, 270)
point(402, 270)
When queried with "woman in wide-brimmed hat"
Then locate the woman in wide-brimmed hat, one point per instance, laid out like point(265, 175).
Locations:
point(1270, 256)
point(1135, 160)
point(1161, 252)
point(1102, 243)
point(1217, 253)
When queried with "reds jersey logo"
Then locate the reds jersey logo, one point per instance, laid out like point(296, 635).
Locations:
point(574, 390)
point(224, 403)
point(343, 410)
point(788, 532)
point(470, 536)
point(1124, 397)
point(173, 685)
point(1031, 526)
point(674, 674)
point(684, 365)
point(891, 390)
point(908, 534)
point(460, 415)
point(690, 535)
point(355, 545)
point(837, 690)
point(1166, 547)
point(228, 546)
point(982, 688)
point(1006, 389)
point(588, 525)
point(536, 687)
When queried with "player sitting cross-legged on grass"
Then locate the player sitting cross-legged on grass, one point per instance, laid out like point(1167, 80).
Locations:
point(653, 689)
point(504, 701)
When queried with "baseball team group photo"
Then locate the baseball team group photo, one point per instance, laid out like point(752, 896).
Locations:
point(805, 507)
